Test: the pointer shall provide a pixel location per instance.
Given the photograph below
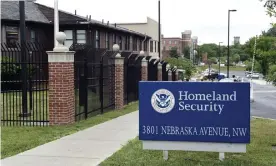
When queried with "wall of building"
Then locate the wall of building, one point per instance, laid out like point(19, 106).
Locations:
point(149, 28)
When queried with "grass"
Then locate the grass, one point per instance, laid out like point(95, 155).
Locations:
point(231, 68)
point(31, 137)
point(11, 106)
point(259, 152)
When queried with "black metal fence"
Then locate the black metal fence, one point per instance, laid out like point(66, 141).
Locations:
point(152, 70)
point(173, 75)
point(165, 76)
point(94, 80)
point(24, 84)
point(132, 75)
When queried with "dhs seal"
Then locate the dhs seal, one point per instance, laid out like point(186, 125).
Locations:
point(162, 101)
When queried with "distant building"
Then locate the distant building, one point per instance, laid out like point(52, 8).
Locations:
point(149, 28)
point(186, 40)
point(205, 57)
point(236, 40)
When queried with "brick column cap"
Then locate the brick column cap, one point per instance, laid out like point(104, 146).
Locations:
point(144, 62)
point(60, 56)
point(169, 72)
point(119, 60)
point(159, 66)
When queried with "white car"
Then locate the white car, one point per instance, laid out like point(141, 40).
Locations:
point(227, 80)
point(254, 75)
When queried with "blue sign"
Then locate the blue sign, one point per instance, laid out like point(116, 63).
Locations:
point(194, 111)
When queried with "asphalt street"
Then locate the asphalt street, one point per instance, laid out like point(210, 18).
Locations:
point(264, 104)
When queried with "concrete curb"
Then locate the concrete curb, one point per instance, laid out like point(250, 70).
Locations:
point(258, 117)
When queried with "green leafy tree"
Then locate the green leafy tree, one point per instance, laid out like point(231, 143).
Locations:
point(271, 77)
point(236, 58)
point(213, 60)
point(186, 52)
point(257, 66)
point(173, 52)
point(183, 63)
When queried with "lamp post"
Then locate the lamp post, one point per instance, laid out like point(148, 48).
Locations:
point(219, 55)
point(228, 49)
point(56, 21)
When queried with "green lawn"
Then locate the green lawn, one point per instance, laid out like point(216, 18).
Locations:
point(11, 106)
point(19, 139)
point(231, 68)
point(259, 152)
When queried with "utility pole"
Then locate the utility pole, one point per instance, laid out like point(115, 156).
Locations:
point(24, 60)
point(252, 70)
point(56, 22)
point(159, 30)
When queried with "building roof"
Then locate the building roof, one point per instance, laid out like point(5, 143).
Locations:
point(10, 11)
point(178, 38)
point(36, 12)
point(64, 17)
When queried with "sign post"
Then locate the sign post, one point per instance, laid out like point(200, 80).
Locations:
point(194, 116)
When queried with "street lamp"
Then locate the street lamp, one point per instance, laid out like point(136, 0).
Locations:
point(228, 51)
point(219, 55)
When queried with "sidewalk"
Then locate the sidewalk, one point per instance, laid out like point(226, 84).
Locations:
point(85, 148)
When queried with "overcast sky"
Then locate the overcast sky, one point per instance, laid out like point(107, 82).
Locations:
point(206, 18)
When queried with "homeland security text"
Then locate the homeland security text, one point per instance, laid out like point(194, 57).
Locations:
point(211, 98)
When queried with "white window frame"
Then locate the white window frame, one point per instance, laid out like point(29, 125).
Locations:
point(68, 37)
point(81, 33)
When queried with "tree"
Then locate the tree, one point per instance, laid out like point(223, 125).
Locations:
point(236, 58)
point(186, 52)
point(265, 51)
point(271, 77)
point(174, 53)
point(183, 63)
point(211, 49)
point(213, 60)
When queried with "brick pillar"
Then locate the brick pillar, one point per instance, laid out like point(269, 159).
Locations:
point(170, 75)
point(61, 84)
point(119, 81)
point(159, 77)
point(144, 70)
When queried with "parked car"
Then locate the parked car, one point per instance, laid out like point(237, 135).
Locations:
point(254, 75)
point(227, 80)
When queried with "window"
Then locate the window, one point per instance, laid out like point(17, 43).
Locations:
point(114, 38)
point(134, 44)
point(151, 46)
point(145, 45)
point(81, 36)
point(107, 40)
point(175, 42)
point(158, 47)
point(11, 36)
point(164, 42)
point(130, 42)
point(97, 38)
point(120, 42)
point(69, 38)
point(170, 42)
point(33, 39)
point(126, 43)
point(155, 46)
point(140, 45)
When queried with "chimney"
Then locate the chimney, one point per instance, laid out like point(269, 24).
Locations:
point(115, 24)
point(75, 12)
point(89, 17)
point(102, 20)
point(107, 22)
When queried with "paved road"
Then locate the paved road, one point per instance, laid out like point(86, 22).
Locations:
point(264, 104)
